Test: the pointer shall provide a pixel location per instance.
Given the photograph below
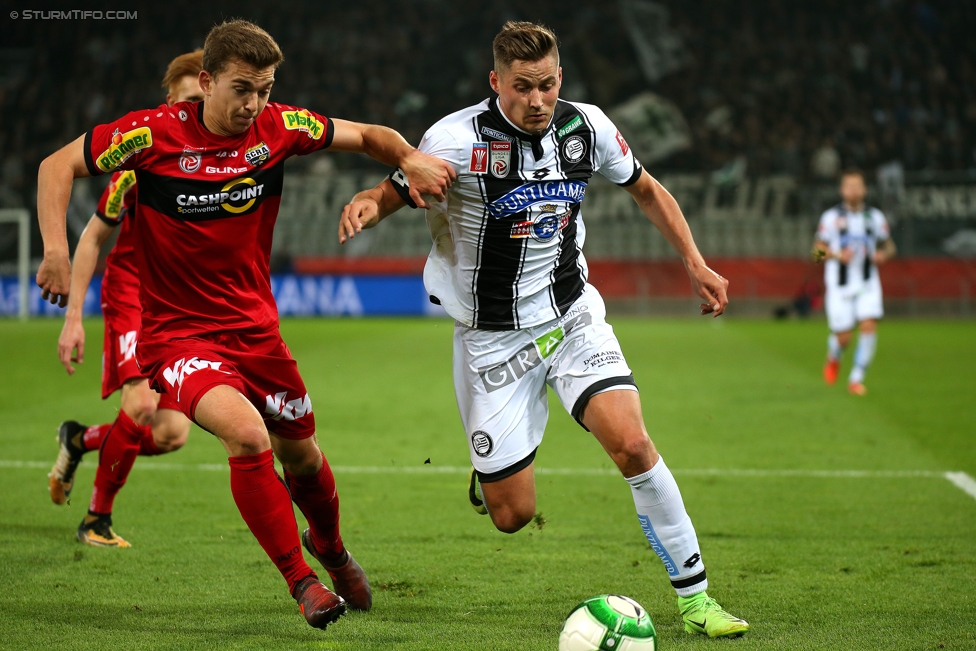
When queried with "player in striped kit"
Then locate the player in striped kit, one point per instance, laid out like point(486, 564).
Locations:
point(507, 264)
point(853, 239)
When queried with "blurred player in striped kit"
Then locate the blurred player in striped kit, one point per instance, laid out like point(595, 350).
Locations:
point(853, 239)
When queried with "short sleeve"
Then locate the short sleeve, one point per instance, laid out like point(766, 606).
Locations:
point(113, 204)
point(881, 226)
point(438, 142)
point(126, 143)
point(303, 130)
point(614, 158)
point(826, 227)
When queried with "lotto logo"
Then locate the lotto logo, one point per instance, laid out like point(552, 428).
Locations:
point(127, 345)
point(279, 408)
point(181, 369)
point(479, 158)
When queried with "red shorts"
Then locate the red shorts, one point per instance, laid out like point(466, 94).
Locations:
point(119, 359)
point(119, 354)
point(259, 366)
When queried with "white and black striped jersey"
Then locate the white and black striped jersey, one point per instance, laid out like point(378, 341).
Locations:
point(860, 231)
point(508, 241)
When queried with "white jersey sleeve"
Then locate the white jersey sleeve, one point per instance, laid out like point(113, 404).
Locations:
point(881, 230)
point(440, 142)
point(827, 229)
point(613, 158)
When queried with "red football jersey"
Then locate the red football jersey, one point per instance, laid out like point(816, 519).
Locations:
point(120, 284)
point(207, 206)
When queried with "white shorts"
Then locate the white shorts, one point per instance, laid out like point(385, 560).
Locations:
point(500, 380)
point(846, 309)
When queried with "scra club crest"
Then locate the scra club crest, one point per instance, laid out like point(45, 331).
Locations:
point(501, 159)
point(190, 159)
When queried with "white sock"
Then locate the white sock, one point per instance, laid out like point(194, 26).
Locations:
point(668, 528)
point(867, 342)
point(834, 350)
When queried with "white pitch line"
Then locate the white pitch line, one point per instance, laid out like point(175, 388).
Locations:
point(960, 479)
point(963, 481)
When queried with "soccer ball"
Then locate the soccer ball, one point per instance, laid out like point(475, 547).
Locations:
point(608, 622)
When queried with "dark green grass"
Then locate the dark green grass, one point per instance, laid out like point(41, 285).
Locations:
point(813, 563)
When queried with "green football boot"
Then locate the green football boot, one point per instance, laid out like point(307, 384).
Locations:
point(474, 494)
point(702, 614)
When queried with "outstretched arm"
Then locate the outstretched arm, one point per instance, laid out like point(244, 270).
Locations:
point(54, 179)
point(663, 211)
point(86, 257)
point(427, 174)
point(367, 209)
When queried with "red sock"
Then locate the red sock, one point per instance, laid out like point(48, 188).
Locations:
point(115, 458)
point(94, 435)
point(147, 445)
point(264, 504)
point(318, 500)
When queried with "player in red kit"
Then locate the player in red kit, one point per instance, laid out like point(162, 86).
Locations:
point(210, 181)
point(148, 423)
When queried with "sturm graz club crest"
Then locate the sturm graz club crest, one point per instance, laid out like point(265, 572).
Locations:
point(482, 443)
point(190, 159)
point(574, 149)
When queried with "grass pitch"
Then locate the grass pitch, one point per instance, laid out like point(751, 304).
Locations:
point(880, 560)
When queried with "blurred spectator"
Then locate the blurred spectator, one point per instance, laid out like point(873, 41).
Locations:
point(801, 87)
point(825, 163)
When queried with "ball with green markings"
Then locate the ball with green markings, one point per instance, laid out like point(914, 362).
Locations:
point(608, 622)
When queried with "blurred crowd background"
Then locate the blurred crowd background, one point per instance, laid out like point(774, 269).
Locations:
point(727, 89)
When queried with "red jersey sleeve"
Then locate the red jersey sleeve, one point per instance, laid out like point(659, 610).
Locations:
point(125, 143)
point(302, 130)
point(114, 204)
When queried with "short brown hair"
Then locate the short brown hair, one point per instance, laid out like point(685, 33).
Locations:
point(239, 40)
point(523, 41)
point(852, 171)
point(185, 65)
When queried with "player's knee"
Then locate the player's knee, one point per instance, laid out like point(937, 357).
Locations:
point(509, 520)
point(140, 409)
point(299, 457)
point(170, 436)
point(248, 439)
point(305, 465)
point(634, 454)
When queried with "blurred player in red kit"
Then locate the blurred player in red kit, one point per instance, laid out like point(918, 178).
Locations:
point(210, 178)
point(148, 423)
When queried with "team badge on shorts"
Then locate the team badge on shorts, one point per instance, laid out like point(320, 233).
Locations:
point(501, 159)
point(482, 443)
point(574, 149)
point(479, 158)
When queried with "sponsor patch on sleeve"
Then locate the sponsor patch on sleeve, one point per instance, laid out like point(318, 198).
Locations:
point(116, 193)
point(624, 147)
point(303, 120)
point(124, 146)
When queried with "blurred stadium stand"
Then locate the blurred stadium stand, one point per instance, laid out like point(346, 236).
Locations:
point(746, 110)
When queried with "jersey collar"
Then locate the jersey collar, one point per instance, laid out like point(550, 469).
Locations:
point(512, 130)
